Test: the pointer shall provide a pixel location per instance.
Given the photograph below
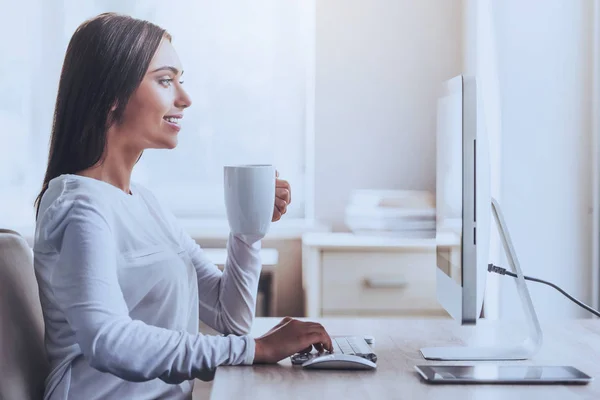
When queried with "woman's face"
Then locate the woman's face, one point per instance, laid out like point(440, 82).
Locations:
point(152, 117)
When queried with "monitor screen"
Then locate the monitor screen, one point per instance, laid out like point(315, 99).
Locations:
point(449, 182)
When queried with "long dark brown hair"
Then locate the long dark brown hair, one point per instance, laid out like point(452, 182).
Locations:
point(105, 62)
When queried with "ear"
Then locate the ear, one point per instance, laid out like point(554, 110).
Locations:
point(111, 114)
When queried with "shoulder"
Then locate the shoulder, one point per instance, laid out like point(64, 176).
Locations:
point(69, 193)
point(69, 200)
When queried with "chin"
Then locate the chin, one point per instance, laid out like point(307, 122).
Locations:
point(162, 140)
point(168, 141)
point(163, 144)
point(171, 144)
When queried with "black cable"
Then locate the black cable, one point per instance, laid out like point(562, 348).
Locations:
point(503, 271)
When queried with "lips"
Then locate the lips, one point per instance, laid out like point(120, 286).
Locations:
point(173, 121)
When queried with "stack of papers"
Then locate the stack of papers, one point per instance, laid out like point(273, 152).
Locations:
point(402, 213)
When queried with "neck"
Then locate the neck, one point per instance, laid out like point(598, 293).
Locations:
point(116, 165)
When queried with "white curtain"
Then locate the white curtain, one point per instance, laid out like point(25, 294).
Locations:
point(489, 120)
point(246, 68)
point(21, 52)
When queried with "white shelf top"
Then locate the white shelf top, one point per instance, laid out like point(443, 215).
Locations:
point(346, 240)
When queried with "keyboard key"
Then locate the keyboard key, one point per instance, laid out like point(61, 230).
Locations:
point(336, 347)
point(345, 347)
point(359, 346)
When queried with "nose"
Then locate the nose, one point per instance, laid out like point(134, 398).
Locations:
point(183, 99)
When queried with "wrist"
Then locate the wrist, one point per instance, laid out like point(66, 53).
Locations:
point(251, 240)
point(258, 352)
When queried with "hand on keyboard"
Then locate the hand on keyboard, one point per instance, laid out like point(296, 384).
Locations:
point(343, 345)
point(289, 337)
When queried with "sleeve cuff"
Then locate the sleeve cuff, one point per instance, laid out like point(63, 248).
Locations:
point(253, 241)
point(250, 350)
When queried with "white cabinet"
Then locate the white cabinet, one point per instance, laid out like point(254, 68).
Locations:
point(345, 275)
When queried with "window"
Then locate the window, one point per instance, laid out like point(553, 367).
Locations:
point(247, 70)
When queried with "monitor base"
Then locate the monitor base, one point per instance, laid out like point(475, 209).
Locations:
point(492, 353)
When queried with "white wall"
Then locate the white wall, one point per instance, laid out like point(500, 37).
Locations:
point(545, 68)
point(596, 158)
point(379, 66)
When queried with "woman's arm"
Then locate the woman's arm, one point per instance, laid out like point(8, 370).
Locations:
point(228, 298)
point(86, 287)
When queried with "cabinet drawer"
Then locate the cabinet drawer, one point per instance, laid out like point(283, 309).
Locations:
point(378, 282)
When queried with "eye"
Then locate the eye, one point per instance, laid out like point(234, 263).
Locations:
point(165, 81)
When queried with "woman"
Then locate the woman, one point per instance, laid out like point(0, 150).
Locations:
point(122, 285)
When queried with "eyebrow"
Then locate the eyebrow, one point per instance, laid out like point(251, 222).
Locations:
point(168, 68)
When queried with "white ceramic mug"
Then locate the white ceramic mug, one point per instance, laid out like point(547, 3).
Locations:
point(249, 198)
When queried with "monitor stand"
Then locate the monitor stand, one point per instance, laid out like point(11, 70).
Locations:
point(523, 351)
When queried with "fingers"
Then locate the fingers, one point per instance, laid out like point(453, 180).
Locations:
point(283, 194)
point(317, 331)
point(276, 215)
point(281, 205)
point(319, 347)
point(281, 184)
point(306, 350)
point(279, 209)
point(322, 339)
point(283, 197)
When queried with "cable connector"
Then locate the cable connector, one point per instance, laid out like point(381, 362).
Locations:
point(503, 271)
point(496, 269)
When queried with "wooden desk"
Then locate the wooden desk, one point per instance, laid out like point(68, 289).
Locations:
point(572, 342)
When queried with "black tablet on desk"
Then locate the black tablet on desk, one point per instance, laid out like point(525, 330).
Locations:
point(509, 374)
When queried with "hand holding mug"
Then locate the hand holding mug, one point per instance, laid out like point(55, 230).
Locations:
point(283, 197)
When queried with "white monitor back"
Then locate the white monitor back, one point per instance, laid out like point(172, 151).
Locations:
point(462, 201)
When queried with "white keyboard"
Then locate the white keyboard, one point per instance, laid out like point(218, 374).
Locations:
point(350, 345)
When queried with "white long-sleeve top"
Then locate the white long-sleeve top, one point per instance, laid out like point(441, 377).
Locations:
point(122, 288)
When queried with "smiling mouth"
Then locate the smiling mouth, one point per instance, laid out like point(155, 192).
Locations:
point(172, 120)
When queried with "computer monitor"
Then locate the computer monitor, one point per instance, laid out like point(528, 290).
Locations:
point(464, 210)
point(462, 201)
